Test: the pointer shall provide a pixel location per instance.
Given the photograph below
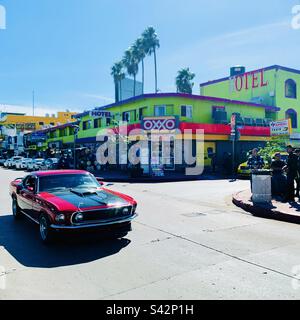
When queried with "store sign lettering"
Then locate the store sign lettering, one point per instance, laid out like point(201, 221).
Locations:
point(159, 123)
point(250, 80)
point(100, 114)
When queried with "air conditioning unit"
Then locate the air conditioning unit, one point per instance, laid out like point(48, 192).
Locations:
point(257, 100)
point(272, 94)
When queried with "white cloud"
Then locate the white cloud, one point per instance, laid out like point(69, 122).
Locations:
point(38, 111)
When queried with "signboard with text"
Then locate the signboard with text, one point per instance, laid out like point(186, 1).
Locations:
point(281, 128)
point(249, 80)
point(100, 114)
point(159, 123)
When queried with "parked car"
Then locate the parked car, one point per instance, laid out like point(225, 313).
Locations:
point(2, 160)
point(6, 163)
point(11, 163)
point(244, 170)
point(35, 164)
point(71, 200)
point(22, 164)
point(50, 164)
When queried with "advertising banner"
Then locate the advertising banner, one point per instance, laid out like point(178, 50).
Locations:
point(281, 128)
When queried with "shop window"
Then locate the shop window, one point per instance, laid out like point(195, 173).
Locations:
point(108, 122)
point(290, 89)
point(126, 116)
point(219, 115)
point(187, 111)
point(160, 111)
point(142, 112)
point(97, 123)
point(292, 114)
point(86, 125)
point(216, 109)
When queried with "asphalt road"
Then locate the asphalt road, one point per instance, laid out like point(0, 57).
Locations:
point(189, 242)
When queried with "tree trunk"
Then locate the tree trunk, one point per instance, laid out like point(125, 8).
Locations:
point(120, 85)
point(143, 76)
point(155, 66)
point(134, 82)
point(116, 92)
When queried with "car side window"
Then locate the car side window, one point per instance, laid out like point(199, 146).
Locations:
point(30, 182)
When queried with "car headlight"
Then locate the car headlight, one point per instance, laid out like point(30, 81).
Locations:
point(126, 211)
point(79, 217)
point(60, 218)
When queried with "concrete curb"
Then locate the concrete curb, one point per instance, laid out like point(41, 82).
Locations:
point(268, 211)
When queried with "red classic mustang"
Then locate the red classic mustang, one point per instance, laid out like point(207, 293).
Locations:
point(69, 200)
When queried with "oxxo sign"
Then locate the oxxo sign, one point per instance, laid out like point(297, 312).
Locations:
point(248, 80)
point(161, 123)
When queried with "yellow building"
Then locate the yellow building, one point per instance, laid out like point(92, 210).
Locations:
point(22, 122)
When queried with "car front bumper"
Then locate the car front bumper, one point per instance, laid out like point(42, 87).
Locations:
point(104, 225)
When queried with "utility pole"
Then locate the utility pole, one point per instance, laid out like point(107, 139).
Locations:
point(76, 130)
point(233, 139)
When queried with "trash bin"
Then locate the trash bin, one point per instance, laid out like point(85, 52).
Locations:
point(261, 186)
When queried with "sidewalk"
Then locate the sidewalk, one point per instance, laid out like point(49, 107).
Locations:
point(289, 212)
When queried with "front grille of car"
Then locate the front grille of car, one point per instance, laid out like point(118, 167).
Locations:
point(95, 216)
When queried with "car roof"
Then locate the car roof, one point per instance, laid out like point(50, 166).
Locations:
point(58, 172)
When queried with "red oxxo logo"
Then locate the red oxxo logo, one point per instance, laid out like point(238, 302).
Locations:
point(159, 124)
point(2, 17)
point(254, 79)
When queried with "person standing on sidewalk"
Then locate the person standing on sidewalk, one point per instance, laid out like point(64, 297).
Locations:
point(297, 152)
point(278, 178)
point(292, 170)
point(255, 162)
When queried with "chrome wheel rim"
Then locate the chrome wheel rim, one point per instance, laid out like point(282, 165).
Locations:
point(43, 229)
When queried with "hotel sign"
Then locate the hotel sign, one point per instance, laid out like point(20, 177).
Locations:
point(100, 114)
point(281, 128)
point(159, 123)
point(249, 80)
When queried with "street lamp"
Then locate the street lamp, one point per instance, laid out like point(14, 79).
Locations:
point(76, 130)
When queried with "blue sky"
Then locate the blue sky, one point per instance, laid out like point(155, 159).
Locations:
point(64, 48)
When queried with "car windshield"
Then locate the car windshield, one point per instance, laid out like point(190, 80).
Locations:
point(67, 182)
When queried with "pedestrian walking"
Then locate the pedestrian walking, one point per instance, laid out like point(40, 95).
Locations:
point(292, 170)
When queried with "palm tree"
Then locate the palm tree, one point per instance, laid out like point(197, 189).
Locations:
point(184, 81)
point(118, 75)
point(151, 43)
point(139, 52)
point(130, 61)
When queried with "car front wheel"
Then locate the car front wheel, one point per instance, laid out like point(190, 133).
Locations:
point(16, 209)
point(46, 234)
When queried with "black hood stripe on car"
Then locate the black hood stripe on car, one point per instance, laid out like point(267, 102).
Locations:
point(86, 198)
